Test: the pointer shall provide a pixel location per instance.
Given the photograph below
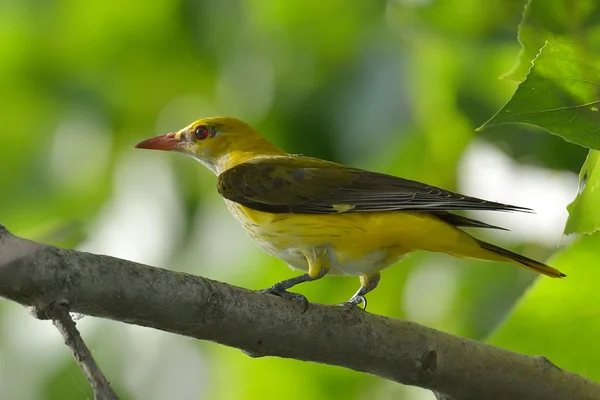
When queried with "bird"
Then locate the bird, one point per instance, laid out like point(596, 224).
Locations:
point(325, 218)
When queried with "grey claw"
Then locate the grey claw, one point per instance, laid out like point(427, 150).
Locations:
point(356, 301)
point(297, 297)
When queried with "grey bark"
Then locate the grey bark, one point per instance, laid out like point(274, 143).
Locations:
point(37, 275)
point(58, 312)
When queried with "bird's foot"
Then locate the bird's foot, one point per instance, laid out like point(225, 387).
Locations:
point(356, 300)
point(297, 297)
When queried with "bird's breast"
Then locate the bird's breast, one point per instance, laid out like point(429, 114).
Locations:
point(353, 244)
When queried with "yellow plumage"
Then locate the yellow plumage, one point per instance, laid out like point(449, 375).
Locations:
point(360, 243)
point(321, 217)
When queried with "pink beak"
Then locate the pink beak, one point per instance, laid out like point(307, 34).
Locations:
point(162, 142)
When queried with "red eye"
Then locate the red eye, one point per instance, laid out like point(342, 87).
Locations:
point(201, 132)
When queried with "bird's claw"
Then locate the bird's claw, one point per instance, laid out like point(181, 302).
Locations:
point(297, 297)
point(356, 300)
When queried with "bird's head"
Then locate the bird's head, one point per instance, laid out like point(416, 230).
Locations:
point(218, 142)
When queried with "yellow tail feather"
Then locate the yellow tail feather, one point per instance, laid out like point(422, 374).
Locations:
point(522, 261)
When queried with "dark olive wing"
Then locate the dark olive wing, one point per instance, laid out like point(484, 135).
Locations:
point(459, 220)
point(306, 185)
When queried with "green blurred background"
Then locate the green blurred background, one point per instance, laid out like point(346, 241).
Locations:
point(395, 86)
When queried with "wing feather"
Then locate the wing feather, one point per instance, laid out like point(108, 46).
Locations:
point(306, 185)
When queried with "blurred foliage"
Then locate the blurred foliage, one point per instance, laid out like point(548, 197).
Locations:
point(398, 86)
point(563, 80)
point(560, 319)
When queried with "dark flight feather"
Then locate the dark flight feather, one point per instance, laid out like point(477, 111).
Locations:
point(459, 220)
point(305, 185)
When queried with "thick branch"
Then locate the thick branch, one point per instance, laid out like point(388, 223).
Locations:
point(37, 275)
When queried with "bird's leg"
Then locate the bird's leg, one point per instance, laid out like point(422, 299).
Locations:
point(318, 266)
point(368, 282)
point(280, 288)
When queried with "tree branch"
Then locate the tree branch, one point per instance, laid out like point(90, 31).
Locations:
point(58, 312)
point(263, 325)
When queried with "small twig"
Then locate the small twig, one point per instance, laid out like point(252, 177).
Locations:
point(34, 274)
point(58, 312)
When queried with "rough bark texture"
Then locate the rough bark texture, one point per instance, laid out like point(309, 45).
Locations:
point(263, 325)
point(58, 312)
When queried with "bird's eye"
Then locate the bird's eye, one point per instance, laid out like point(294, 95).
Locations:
point(201, 132)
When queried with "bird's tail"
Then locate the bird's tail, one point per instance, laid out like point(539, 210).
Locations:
point(500, 254)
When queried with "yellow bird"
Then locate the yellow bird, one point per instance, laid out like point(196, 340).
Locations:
point(326, 218)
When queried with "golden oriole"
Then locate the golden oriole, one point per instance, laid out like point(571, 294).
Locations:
point(326, 218)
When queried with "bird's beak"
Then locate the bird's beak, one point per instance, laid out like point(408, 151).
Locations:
point(170, 141)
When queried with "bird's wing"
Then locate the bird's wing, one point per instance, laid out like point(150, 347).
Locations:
point(305, 185)
point(459, 220)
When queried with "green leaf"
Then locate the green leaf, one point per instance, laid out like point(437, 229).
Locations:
point(560, 318)
point(559, 67)
point(561, 94)
point(543, 21)
point(584, 212)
